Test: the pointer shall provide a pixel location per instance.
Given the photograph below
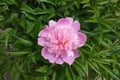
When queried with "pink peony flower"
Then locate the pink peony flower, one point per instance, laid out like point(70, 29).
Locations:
point(61, 40)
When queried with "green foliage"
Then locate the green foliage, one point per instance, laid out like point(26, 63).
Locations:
point(21, 21)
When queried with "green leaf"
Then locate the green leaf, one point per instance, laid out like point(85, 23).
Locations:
point(79, 70)
point(24, 41)
point(30, 16)
point(20, 53)
point(103, 2)
point(109, 71)
point(54, 76)
point(85, 1)
point(110, 27)
point(60, 72)
point(1, 17)
point(48, 1)
point(94, 66)
point(69, 73)
point(4, 7)
point(86, 5)
point(6, 41)
point(27, 8)
point(30, 26)
point(6, 32)
point(92, 20)
point(38, 74)
point(12, 2)
point(4, 65)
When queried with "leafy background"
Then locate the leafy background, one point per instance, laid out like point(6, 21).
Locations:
point(21, 21)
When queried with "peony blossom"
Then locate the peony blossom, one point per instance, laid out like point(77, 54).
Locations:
point(60, 41)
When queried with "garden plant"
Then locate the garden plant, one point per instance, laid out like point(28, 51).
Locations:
point(91, 28)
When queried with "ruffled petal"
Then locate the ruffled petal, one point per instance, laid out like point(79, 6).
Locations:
point(52, 60)
point(69, 59)
point(66, 22)
point(46, 54)
point(45, 32)
point(63, 53)
point(82, 39)
point(76, 53)
point(59, 60)
point(52, 23)
point(41, 41)
point(70, 53)
point(76, 25)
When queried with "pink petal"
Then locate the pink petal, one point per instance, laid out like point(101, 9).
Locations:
point(52, 60)
point(59, 60)
point(82, 39)
point(76, 25)
point(76, 53)
point(70, 53)
point(65, 22)
point(44, 32)
point(69, 59)
point(52, 23)
point(46, 54)
point(63, 54)
point(41, 41)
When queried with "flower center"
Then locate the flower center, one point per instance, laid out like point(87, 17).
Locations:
point(60, 39)
point(62, 42)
